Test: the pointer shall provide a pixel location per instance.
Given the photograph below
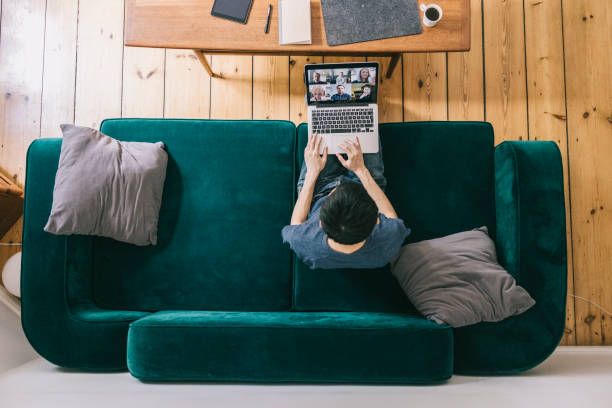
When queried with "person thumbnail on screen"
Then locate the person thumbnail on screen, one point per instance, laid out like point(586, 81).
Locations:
point(342, 93)
point(364, 75)
point(362, 92)
point(318, 94)
point(340, 78)
point(318, 77)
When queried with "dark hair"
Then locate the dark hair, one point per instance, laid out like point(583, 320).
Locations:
point(367, 86)
point(349, 214)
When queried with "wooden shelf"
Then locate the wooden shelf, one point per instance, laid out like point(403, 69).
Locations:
point(12, 302)
point(11, 203)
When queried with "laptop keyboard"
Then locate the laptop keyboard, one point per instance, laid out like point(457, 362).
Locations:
point(344, 120)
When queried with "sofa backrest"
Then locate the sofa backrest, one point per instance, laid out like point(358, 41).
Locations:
point(229, 190)
point(227, 194)
point(439, 180)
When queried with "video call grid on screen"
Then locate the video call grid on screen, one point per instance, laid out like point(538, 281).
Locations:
point(336, 83)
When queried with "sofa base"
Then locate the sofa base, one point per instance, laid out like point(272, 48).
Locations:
point(321, 347)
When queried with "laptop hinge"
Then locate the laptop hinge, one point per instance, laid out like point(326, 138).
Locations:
point(341, 105)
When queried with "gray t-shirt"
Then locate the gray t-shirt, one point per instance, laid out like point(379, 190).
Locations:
point(309, 242)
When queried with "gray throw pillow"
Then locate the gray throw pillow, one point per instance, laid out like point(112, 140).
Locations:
point(456, 280)
point(108, 188)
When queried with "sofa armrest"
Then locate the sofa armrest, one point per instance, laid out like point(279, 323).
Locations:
point(531, 245)
point(530, 212)
point(69, 334)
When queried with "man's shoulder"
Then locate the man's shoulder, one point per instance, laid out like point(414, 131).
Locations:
point(392, 228)
point(306, 240)
point(304, 232)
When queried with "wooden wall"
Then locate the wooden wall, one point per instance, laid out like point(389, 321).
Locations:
point(537, 70)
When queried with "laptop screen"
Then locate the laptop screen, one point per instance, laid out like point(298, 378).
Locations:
point(329, 84)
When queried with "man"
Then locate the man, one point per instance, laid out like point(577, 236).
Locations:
point(366, 94)
point(317, 78)
point(352, 224)
point(340, 95)
point(340, 79)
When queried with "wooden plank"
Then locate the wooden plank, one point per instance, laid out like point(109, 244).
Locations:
point(546, 105)
point(588, 63)
point(21, 23)
point(504, 50)
point(143, 82)
point(297, 97)
point(60, 66)
point(465, 77)
point(21, 72)
point(232, 96)
point(187, 86)
point(271, 87)
point(390, 90)
point(189, 24)
point(99, 62)
point(425, 87)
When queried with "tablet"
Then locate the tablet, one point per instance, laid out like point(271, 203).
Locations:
point(235, 10)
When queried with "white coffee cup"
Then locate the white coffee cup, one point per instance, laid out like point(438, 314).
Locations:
point(426, 20)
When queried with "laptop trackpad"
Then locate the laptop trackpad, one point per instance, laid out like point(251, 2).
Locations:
point(369, 142)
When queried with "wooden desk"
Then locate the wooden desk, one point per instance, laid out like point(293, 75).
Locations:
point(189, 24)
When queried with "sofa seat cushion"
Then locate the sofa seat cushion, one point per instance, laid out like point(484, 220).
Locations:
point(289, 347)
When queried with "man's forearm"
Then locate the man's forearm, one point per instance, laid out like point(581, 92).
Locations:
point(302, 206)
point(379, 197)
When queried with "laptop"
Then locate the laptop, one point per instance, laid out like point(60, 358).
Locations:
point(341, 102)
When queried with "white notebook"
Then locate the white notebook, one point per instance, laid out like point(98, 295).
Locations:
point(294, 22)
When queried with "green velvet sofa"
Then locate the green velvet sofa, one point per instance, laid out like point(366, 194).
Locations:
point(221, 298)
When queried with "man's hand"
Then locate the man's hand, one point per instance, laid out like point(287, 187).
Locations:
point(314, 161)
point(354, 162)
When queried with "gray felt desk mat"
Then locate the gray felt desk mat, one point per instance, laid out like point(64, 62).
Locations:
point(351, 21)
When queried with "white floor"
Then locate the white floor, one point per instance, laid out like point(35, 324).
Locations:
point(14, 347)
point(577, 377)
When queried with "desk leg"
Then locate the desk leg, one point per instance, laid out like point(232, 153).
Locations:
point(205, 64)
point(394, 59)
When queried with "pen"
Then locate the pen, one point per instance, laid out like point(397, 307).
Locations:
point(268, 19)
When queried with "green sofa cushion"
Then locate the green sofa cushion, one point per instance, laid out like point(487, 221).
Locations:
point(289, 347)
point(440, 181)
point(228, 193)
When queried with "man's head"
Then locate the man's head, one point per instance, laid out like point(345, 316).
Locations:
point(317, 76)
point(367, 90)
point(348, 215)
point(340, 89)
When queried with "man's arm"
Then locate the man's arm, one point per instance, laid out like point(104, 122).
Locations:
point(302, 205)
point(355, 163)
point(314, 164)
point(379, 197)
